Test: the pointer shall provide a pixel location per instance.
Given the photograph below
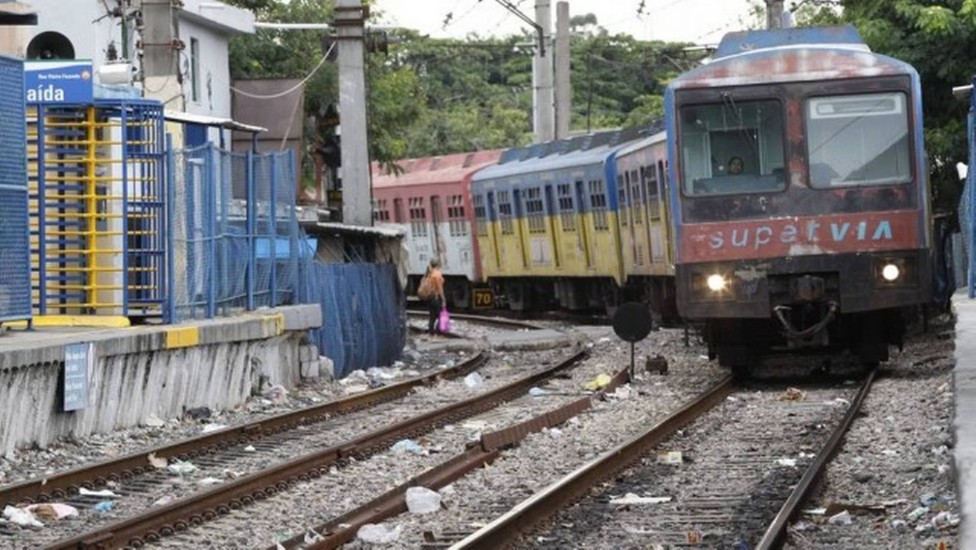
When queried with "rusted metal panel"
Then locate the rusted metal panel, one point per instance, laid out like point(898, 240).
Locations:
point(800, 235)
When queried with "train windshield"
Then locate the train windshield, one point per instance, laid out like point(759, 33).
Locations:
point(732, 147)
point(858, 140)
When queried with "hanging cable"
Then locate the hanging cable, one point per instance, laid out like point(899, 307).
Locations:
point(293, 88)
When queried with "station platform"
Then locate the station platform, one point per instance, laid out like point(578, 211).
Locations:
point(964, 420)
point(74, 381)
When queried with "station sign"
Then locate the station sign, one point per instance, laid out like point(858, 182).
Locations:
point(58, 82)
point(79, 362)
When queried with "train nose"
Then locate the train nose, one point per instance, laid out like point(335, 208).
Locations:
point(807, 288)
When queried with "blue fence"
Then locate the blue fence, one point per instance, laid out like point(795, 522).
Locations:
point(363, 308)
point(232, 254)
point(968, 202)
point(15, 284)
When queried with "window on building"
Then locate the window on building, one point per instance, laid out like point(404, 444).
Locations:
point(505, 213)
point(458, 225)
point(480, 215)
point(418, 217)
point(566, 212)
point(194, 70)
point(598, 201)
point(380, 211)
point(398, 210)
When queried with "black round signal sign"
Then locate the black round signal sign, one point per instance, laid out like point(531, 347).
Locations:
point(632, 322)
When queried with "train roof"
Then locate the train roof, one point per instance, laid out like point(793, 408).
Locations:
point(560, 154)
point(434, 170)
point(641, 143)
point(791, 55)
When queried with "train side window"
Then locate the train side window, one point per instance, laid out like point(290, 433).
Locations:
point(534, 210)
point(636, 198)
point(567, 214)
point(418, 217)
point(653, 193)
point(505, 213)
point(458, 225)
point(622, 200)
point(598, 204)
point(480, 215)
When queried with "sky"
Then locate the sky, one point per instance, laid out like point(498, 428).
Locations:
point(696, 21)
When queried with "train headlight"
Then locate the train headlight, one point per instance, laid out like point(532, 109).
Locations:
point(890, 272)
point(716, 282)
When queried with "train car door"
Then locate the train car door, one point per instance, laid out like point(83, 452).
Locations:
point(584, 232)
point(436, 219)
point(493, 229)
point(665, 185)
point(519, 234)
point(551, 225)
point(655, 225)
point(627, 210)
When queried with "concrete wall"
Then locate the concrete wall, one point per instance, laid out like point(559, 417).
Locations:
point(151, 371)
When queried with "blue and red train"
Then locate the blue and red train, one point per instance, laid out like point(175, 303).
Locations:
point(785, 204)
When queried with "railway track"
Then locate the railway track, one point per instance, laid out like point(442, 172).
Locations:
point(199, 507)
point(749, 460)
point(488, 320)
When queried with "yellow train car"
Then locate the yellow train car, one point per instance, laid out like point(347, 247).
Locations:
point(547, 227)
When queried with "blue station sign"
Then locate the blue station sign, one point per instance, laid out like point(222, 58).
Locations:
point(58, 82)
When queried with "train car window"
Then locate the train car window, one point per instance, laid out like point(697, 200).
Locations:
point(622, 202)
point(505, 212)
point(653, 193)
point(534, 210)
point(458, 225)
point(598, 205)
point(858, 140)
point(732, 147)
point(418, 217)
point(398, 210)
point(567, 216)
point(636, 200)
point(480, 215)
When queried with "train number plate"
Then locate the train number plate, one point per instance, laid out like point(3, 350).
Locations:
point(483, 298)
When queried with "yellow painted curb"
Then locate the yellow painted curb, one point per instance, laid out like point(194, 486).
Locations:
point(278, 319)
point(93, 321)
point(182, 337)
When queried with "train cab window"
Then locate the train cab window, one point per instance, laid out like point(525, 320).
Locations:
point(598, 204)
point(534, 210)
point(732, 147)
point(505, 213)
point(567, 214)
point(858, 140)
point(480, 215)
point(418, 217)
point(456, 221)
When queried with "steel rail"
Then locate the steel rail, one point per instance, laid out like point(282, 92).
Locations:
point(536, 509)
point(62, 485)
point(776, 532)
point(492, 321)
point(196, 509)
point(338, 531)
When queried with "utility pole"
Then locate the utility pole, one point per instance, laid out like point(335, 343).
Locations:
point(354, 169)
point(774, 14)
point(563, 90)
point(542, 99)
point(161, 52)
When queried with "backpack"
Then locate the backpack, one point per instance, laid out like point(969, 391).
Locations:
point(426, 290)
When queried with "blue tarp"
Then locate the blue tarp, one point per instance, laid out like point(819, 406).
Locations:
point(364, 311)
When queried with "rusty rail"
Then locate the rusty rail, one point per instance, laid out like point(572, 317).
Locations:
point(776, 532)
point(491, 321)
point(201, 507)
point(343, 529)
point(62, 485)
point(525, 516)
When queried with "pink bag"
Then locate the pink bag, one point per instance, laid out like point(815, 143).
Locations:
point(444, 323)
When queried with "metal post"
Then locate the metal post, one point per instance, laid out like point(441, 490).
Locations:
point(774, 14)
point(970, 190)
point(250, 276)
point(124, 138)
point(563, 89)
point(542, 77)
point(41, 215)
point(210, 223)
point(273, 236)
point(168, 229)
point(356, 188)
